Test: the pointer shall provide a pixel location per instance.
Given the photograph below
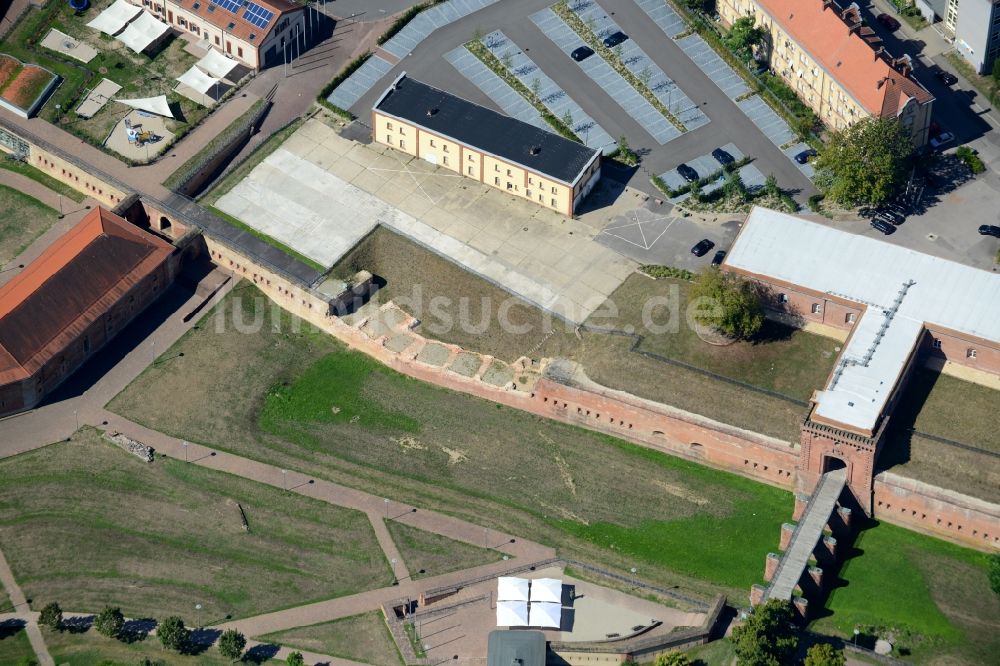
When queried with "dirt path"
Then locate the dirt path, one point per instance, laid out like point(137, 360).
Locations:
point(19, 602)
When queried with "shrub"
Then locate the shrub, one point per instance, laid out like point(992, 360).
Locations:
point(814, 202)
point(824, 654)
point(337, 80)
point(173, 634)
point(737, 310)
point(109, 622)
point(51, 617)
point(295, 659)
point(231, 644)
point(661, 272)
point(971, 159)
point(406, 17)
point(672, 658)
point(994, 570)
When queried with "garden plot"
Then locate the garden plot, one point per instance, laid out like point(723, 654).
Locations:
point(637, 62)
point(549, 93)
point(604, 75)
point(508, 99)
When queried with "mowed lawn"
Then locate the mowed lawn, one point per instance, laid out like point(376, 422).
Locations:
point(22, 220)
point(300, 400)
point(933, 595)
point(363, 638)
point(455, 306)
point(87, 525)
point(429, 554)
point(14, 644)
point(89, 648)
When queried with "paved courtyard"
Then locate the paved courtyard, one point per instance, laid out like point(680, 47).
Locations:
point(321, 193)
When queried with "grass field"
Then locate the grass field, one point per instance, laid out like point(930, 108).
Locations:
point(270, 395)
point(787, 361)
point(934, 596)
point(716, 653)
point(947, 407)
point(363, 638)
point(22, 220)
point(429, 554)
point(25, 169)
point(86, 524)
point(14, 645)
point(89, 648)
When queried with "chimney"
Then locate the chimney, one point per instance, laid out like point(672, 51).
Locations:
point(827, 4)
point(432, 111)
point(879, 52)
point(904, 65)
point(535, 150)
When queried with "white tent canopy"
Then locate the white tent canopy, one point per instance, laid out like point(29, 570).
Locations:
point(143, 32)
point(198, 80)
point(512, 589)
point(157, 105)
point(547, 589)
point(512, 614)
point(115, 17)
point(545, 614)
point(217, 64)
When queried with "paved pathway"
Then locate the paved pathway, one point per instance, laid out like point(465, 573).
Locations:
point(807, 534)
point(20, 604)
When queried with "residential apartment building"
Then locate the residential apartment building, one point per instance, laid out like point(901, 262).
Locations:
point(974, 25)
point(835, 64)
point(258, 33)
point(484, 145)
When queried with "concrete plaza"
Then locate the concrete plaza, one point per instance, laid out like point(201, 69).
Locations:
point(321, 193)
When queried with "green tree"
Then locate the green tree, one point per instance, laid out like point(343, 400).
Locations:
point(567, 119)
point(295, 659)
point(771, 188)
point(824, 654)
point(695, 190)
point(173, 634)
point(672, 658)
point(734, 190)
point(109, 622)
point(994, 573)
point(536, 87)
point(734, 305)
point(768, 637)
point(867, 163)
point(27, 661)
point(51, 617)
point(743, 36)
point(231, 644)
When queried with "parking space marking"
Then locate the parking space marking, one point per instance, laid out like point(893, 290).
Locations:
point(634, 104)
point(549, 93)
point(495, 88)
point(806, 168)
point(637, 224)
point(359, 82)
point(429, 20)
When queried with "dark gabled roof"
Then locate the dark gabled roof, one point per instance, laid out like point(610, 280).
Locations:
point(524, 648)
point(485, 130)
point(69, 286)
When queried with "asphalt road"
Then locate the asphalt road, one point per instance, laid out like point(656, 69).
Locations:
point(512, 17)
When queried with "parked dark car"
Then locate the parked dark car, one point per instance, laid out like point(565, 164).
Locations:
point(804, 156)
point(946, 78)
point(989, 230)
point(890, 215)
point(883, 226)
point(702, 247)
point(615, 38)
point(722, 157)
point(582, 53)
point(888, 22)
point(719, 256)
point(687, 173)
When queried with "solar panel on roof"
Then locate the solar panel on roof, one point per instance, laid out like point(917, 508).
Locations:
point(257, 15)
point(229, 5)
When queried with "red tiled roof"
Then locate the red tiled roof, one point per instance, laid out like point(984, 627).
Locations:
point(70, 285)
point(847, 55)
point(241, 29)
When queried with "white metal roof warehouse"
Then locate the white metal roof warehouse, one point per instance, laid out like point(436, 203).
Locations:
point(904, 291)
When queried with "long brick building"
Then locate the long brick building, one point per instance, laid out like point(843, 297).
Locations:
point(484, 145)
point(899, 306)
point(72, 300)
point(835, 64)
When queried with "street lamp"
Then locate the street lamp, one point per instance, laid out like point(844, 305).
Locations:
point(386, 500)
point(856, 632)
point(197, 607)
point(185, 445)
point(284, 482)
point(632, 570)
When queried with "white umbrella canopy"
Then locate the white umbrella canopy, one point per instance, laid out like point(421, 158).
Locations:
point(545, 614)
point(512, 614)
point(143, 32)
point(198, 80)
point(157, 105)
point(216, 64)
point(115, 17)
point(546, 589)
point(510, 588)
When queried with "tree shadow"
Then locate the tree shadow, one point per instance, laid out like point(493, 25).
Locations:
point(78, 624)
point(134, 631)
point(260, 654)
point(201, 639)
point(10, 628)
